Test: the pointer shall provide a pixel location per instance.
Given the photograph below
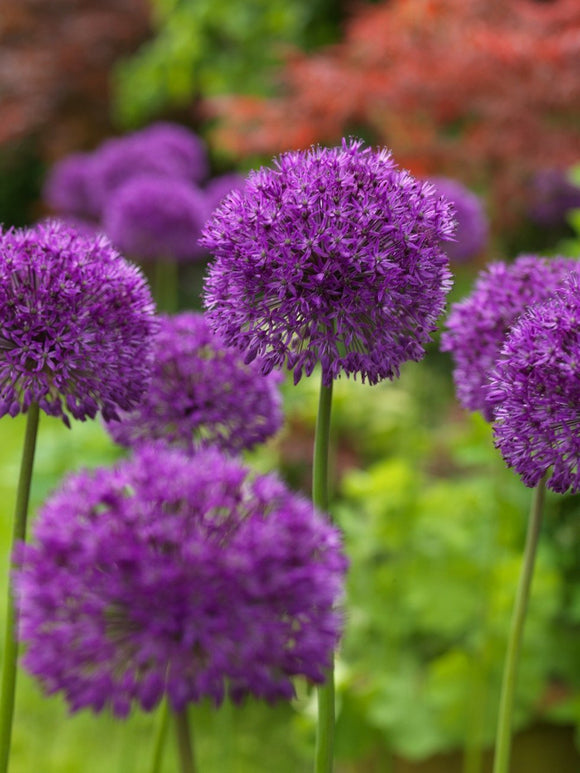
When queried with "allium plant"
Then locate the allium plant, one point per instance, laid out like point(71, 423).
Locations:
point(197, 581)
point(472, 223)
point(75, 339)
point(477, 326)
point(68, 186)
point(330, 257)
point(201, 393)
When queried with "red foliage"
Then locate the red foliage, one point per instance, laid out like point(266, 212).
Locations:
point(486, 91)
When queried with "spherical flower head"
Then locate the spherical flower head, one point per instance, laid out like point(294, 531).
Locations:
point(68, 186)
point(472, 225)
point(331, 256)
point(180, 577)
point(535, 388)
point(149, 152)
point(552, 196)
point(201, 393)
point(76, 327)
point(218, 188)
point(152, 217)
point(477, 326)
point(180, 143)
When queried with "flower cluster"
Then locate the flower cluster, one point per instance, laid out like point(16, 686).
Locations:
point(472, 224)
point(180, 577)
point(332, 256)
point(76, 324)
point(477, 326)
point(535, 388)
point(201, 393)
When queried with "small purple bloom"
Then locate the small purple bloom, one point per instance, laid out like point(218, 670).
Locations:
point(535, 388)
point(179, 577)
point(151, 218)
point(331, 256)
point(179, 143)
point(472, 226)
point(477, 326)
point(68, 187)
point(201, 393)
point(76, 324)
point(552, 195)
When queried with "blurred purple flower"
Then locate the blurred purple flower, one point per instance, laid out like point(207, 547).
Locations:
point(552, 195)
point(179, 577)
point(68, 186)
point(218, 188)
point(535, 388)
point(477, 326)
point(77, 324)
point(201, 393)
point(151, 218)
point(472, 226)
point(332, 256)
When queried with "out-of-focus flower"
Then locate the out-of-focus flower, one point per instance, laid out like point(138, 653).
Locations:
point(68, 187)
point(472, 225)
point(331, 256)
point(201, 393)
point(552, 195)
point(477, 326)
point(218, 188)
point(76, 325)
point(179, 577)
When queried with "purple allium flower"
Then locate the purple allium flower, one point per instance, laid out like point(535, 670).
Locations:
point(535, 388)
point(177, 576)
point(153, 217)
point(180, 143)
point(218, 188)
point(154, 151)
point(477, 325)
point(201, 393)
point(331, 256)
point(472, 226)
point(552, 195)
point(76, 324)
point(68, 187)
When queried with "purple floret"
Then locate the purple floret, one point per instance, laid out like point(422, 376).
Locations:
point(201, 393)
point(472, 226)
point(477, 326)
point(178, 577)
point(68, 187)
point(152, 218)
point(76, 324)
point(331, 256)
point(535, 388)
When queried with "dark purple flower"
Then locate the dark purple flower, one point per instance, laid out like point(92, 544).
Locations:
point(153, 217)
point(472, 226)
point(218, 188)
point(76, 324)
point(152, 151)
point(201, 393)
point(477, 326)
point(180, 577)
point(551, 196)
point(68, 187)
point(535, 388)
point(332, 256)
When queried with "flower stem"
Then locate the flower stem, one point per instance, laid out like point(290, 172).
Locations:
point(162, 722)
point(166, 283)
point(504, 725)
point(325, 729)
point(184, 742)
point(10, 635)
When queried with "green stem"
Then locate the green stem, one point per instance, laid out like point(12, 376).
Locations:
point(166, 285)
point(184, 742)
point(11, 637)
point(325, 729)
point(504, 725)
point(162, 723)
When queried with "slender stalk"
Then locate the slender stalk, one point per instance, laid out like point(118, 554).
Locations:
point(162, 723)
point(504, 725)
point(184, 742)
point(10, 635)
point(325, 730)
point(165, 285)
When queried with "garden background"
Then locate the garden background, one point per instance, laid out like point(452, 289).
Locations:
point(484, 92)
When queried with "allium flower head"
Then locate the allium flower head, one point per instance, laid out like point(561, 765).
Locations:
point(477, 326)
point(68, 186)
point(331, 256)
point(180, 577)
point(472, 225)
point(201, 393)
point(552, 195)
point(218, 188)
point(153, 217)
point(76, 324)
point(535, 388)
point(179, 143)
